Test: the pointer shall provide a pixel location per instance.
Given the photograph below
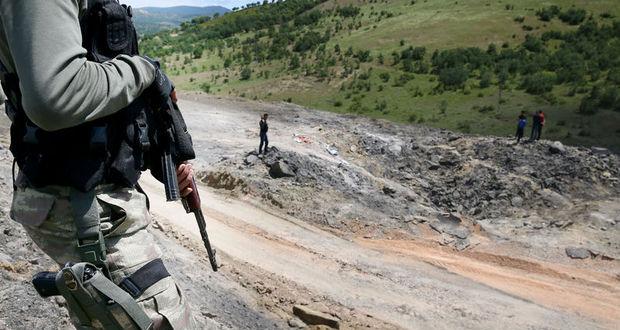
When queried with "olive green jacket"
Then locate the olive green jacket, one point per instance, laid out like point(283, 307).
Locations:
point(41, 40)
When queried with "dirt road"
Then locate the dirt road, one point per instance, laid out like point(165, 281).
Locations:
point(406, 284)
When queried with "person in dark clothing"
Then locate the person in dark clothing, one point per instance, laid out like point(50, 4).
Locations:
point(264, 128)
point(521, 126)
point(535, 127)
point(541, 115)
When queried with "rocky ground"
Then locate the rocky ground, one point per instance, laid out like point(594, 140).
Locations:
point(370, 224)
point(375, 179)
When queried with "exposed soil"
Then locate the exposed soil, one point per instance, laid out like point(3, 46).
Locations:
point(380, 225)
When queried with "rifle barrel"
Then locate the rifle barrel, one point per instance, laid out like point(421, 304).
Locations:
point(205, 238)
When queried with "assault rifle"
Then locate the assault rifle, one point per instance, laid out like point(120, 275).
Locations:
point(174, 146)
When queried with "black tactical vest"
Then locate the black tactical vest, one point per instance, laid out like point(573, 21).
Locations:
point(109, 150)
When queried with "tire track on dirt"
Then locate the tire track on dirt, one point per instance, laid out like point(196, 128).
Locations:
point(403, 291)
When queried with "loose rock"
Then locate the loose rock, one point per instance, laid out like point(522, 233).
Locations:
point(557, 148)
point(281, 170)
point(312, 317)
point(577, 253)
point(296, 323)
point(251, 160)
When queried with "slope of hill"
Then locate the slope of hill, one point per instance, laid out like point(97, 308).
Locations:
point(155, 19)
point(468, 66)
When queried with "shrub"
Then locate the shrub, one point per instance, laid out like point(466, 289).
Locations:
point(295, 62)
point(308, 41)
point(573, 16)
point(348, 11)
point(453, 77)
point(485, 79)
point(486, 108)
point(197, 53)
point(533, 44)
point(385, 77)
point(464, 126)
point(205, 88)
point(614, 76)
point(246, 73)
point(538, 83)
point(609, 98)
point(548, 13)
point(588, 106)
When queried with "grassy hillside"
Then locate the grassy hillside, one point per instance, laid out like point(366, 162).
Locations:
point(155, 19)
point(441, 63)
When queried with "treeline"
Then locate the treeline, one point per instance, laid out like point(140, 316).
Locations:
point(198, 32)
point(585, 60)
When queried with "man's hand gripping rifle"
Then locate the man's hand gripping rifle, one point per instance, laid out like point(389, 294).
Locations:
point(174, 145)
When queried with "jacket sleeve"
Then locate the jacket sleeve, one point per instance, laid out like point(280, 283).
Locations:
point(60, 88)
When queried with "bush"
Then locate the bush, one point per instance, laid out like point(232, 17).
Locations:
point(588, 106)
point(453, 77)
point(308, 41)
point(609, 98)
point(533, 44)
point(363, 56)
point(548, 13)
point(295, 63)
point(538, 83)
point(338, 104)
point(486, 108)
point(246, 73)
point(348, 11)
point(385, 77)
point(205, 88)
point(573, 16)
point(197, 53)
point(486, 78)
point(464, 126)
point(614, 76)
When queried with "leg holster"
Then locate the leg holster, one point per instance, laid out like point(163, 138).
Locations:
point(97, 302)
point(90, 242)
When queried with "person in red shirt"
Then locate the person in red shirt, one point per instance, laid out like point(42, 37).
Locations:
point(541, 114)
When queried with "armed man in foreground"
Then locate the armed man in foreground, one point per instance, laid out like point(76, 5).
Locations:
point(81, 136)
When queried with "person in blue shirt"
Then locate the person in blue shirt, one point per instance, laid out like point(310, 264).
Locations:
point(521, 126)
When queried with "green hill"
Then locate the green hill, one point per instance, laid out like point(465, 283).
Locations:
point(470, 66)
point(155, 19)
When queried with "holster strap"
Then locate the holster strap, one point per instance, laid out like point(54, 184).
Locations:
point(91, 245)
point(144, 278)
point(129, 305)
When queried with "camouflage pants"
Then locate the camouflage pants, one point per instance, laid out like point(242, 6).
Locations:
point(47, 216)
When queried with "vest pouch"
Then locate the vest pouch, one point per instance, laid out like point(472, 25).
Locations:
point(31, 207)
point(118, 27)
point(109, 31)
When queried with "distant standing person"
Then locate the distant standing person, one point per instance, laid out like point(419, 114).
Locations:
point(264, 128)
point(541, 115)
point(521, 126)
point(535, 127)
